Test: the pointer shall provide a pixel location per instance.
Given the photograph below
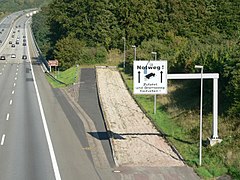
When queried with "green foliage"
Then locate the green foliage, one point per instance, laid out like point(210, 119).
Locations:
point(68, 51)
point(16, 5)
point(71, 51)
point(41, 32)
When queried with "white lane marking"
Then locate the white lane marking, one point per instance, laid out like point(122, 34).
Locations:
point(0, 73)
point(13, 92)
point(16, 73)
point(7, 118)
point(49, 141)
point(14, 84)
point(2, 69)
point(17, 69)
point(15, 78)
point(4, 65)
point(42, 68)
point(10, 102)
point(3, 139)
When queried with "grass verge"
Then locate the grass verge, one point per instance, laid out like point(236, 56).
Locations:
point(69, 76)
point(183, 133)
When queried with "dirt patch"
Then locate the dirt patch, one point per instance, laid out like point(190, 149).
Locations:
point(135, 140)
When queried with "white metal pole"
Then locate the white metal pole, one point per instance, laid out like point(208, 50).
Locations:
point(201, 106)
point(124, 52)
point(135, 52)
point(215, 108)
point(155, 96)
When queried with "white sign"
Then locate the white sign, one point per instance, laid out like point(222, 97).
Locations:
point(150, 77)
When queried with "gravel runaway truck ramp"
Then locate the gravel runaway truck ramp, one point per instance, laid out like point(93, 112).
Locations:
point(135, 141)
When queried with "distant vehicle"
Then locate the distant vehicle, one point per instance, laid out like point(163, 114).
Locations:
point(17, 42)
point(2, 58)
point(13, 56)
point(13, 45)
point(24, 36)
point(10, 42)
point(24, 56)
point(2, 29)
point(0, 41)
point(24, 40)
point(24, 44)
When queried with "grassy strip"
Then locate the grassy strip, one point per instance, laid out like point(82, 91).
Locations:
point(69, 76)
point(213, 164)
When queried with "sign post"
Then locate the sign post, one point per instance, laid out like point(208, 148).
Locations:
point(53, 63)
point(150, 77)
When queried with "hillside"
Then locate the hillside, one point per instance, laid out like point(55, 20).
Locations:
point(15, 5)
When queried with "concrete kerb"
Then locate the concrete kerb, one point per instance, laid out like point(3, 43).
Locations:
point(107, 126)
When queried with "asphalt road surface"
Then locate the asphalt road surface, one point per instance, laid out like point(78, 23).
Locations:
point(24, 150)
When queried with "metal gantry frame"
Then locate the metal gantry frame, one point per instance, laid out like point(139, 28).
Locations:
point(215, 76)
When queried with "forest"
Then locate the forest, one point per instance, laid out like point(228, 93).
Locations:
point(183, 32)
point(8, 6)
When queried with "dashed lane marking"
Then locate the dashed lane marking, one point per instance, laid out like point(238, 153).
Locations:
point(7, 118)
point(3, 139)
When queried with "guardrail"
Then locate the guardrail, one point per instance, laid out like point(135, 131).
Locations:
point(43, 60)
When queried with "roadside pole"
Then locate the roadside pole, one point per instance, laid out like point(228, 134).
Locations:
point(155, 95)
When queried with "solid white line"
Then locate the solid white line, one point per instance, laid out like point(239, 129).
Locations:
point(13, 92)
point(7, 118)
point(49, 141)
point(3, 139)
point(10, 102)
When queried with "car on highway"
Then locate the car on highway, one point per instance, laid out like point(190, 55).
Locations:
point(24, 44)
point(13, 55)
point(24, 56)
point(2, 58)
point(17, 42)
point(13, 45)
point(10, 42)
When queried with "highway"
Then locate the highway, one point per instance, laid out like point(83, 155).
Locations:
point(41, 135)
point(24, 153)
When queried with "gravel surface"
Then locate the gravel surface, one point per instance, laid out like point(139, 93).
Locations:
point(135, 141)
